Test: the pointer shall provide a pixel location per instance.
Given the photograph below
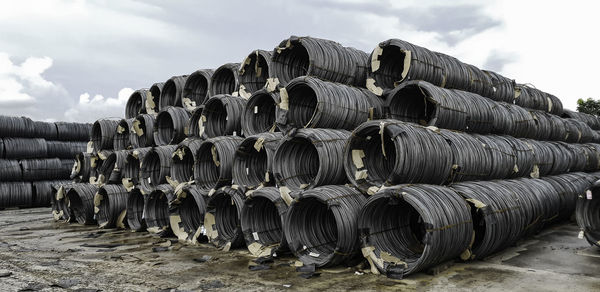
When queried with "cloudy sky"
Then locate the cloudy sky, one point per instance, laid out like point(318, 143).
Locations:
point(80, 60)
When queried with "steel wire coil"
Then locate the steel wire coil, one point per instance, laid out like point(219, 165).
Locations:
point(65, 149)
point(591, 120)
point(155, 167)
point(408, 228)
point(141, 133)
point(136, 104)
point(221, 116)
point(153, 100)
point(186, 214)
point(10, 170)
point(15, 194)
point(569, 186)
point(74, 131)
point(262, 219)
point(43, 169)
point(225, 80)
point(530, 97)
point(470, 158)
point(170, 126)
point(194, 123)
point(1, 148)
point(135, 210)
point(325, 59)
point(121, 140)
point(321, 225)
point(308, 102)
point(82, 169)
point(110, 206)
point(587, 213)
point(222, 218)
point(253, 161)
point(103, 134)
point(81, 202)
point(17, 148)
point(195, 90)
point(42, 192)
point(130, 174)
point(183, 158)
point(46, 130)
point(501, 154)
point(110, 170)
point(60, 209)
point(172, 91)
point(307, 158)
point(524, 157)
point(254, 72)
point(156, 210)
point(259, 114)
point(214, 161)
point(16, 127)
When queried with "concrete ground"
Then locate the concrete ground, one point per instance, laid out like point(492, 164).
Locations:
point(38, 254)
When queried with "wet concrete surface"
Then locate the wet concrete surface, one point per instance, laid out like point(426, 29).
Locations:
point(38, 254)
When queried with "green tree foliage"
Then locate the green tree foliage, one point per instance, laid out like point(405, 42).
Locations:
point(588, 106)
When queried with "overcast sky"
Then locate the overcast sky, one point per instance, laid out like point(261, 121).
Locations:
point(80, 60)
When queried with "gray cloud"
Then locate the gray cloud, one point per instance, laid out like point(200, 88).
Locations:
point(498, 59)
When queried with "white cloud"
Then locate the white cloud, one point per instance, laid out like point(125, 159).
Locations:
point(90, 109)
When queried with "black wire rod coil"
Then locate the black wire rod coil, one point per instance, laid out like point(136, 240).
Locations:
point(16, 127)
point(530, 97)
point(186, 213)
point(259, 114)
point(110, 206)
point(307, 158)
point(591, 120)
point(253, 161)
point(222, 218)
point(262, 220)
point(214, 161)
point(325, 59)
point(10, 170)
point(587, 214)
point(408, 228)
point(183, 158)
point(321, 225)
point(225, 80)
point(136, 104)
point(130, 174)
point(308, 102)
point(16, 194)
point(172, 91)
point(122, 140)
point(254, 72)
point(135, 210)
point(60, 202)
point(195, 89)
point(221, 116)
point(17, 148)
point(103, 133)
point(153, 100)
point(44, 169)
point(74, 131)
point(141, 133)
point(156, 210)
point(110, 170)
point(155, 167)
point(81, 202)
point(46, 130)
point(65, 149)
point(170, 126)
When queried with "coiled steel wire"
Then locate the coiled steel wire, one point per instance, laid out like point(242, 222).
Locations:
point(259, 113)
point(254, 72)
point(470, 158)
point(262, 219)
point(569, 186)
point(194, 124)
point(389, 152)
point(81, 202)
point(195, 90)
point(130, 174)
point(16, 127)
point(43, 169)
point(183, 158)
point(408, 228)
point(45, 130)
point(592, 154)
point(66, 166)
point(17, 148)
point(307, 158)
point(502, 156)
point(222, 116)
point(225, 80)
point(110, 206)
point(135, 210)
point(65, 149)
point(82, 168)
point(156, 210)
point(1, 148)
point(110, 170)
point(103, 134)
point(60, 204)
point(578, 131)
point(42, 192)
point(155, 167)
point(524, 158)
point(222, 218)
point(591, 120)
point(308, 102)
point(530, 97)
point(325, 59)
point(253, 161)
point(15, 194)
point(170, 124)
point(153, 100)
point(122, 139)
point(587, 214)
point(171, 93)
point(10, 170)
point(186, 214)
point(141, 133)
point(214, 160)
point(74, 131)
point(321, 225)
point(136, 104)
